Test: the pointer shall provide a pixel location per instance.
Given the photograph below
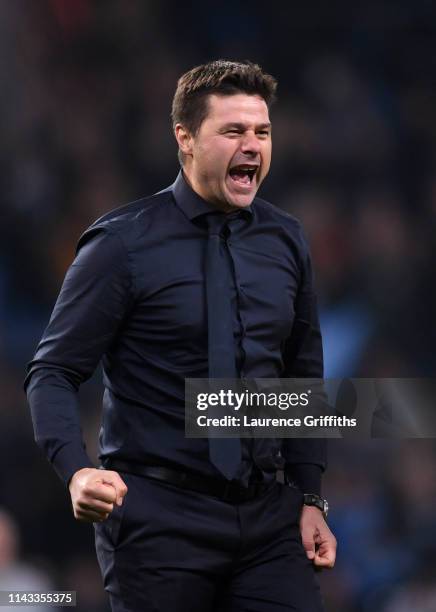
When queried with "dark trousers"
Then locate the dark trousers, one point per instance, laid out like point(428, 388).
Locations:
point(171, 550)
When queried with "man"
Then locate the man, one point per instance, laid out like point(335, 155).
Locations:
point(191, 524)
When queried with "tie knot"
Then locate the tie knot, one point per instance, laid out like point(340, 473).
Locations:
point(215, 223)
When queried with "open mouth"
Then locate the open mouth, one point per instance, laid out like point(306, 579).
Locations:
point(243, 174)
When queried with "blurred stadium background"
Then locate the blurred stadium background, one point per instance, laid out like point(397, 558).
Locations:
point(86, 89)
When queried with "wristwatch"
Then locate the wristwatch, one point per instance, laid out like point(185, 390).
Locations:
point(310, 499)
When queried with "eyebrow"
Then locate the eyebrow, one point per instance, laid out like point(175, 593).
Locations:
point(242, 126)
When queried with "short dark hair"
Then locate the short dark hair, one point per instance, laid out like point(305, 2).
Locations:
point(221, 77)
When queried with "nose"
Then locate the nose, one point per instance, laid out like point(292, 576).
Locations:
point(250, 144)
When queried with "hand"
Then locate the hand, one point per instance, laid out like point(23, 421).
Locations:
point(94, 493)
point(318, 541)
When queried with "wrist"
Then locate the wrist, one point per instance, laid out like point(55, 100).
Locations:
point(311, 500)
point(77, 474)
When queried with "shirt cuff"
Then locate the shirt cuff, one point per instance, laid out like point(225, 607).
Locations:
point(307, 477)
point(68, 460)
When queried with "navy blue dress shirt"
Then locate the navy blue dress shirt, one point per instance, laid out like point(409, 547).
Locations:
point(135, 298)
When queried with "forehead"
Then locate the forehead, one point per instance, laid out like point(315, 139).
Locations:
point(241, 108)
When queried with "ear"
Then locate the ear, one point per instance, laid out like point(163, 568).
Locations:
point(184, 139)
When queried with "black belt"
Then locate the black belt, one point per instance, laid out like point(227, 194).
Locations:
point(222, 489)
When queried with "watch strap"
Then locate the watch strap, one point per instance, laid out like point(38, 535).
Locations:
point(311, 499)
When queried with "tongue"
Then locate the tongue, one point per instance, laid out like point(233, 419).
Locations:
point(240, 177)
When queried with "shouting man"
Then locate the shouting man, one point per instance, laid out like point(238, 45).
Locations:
point(202, 279)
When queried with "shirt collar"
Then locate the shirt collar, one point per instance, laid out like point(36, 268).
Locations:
point(193, 205)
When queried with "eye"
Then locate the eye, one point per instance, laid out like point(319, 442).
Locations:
point(264, 133)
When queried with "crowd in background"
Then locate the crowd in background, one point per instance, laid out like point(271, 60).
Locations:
point(84, 122)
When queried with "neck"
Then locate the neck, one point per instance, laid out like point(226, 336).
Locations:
point(221, 206)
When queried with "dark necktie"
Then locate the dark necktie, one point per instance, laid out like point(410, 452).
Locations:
point(225, 453)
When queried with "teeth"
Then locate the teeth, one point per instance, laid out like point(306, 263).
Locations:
point(245, 168)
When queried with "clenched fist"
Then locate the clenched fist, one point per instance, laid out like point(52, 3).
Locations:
point(318, 541)
point(94, 493)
